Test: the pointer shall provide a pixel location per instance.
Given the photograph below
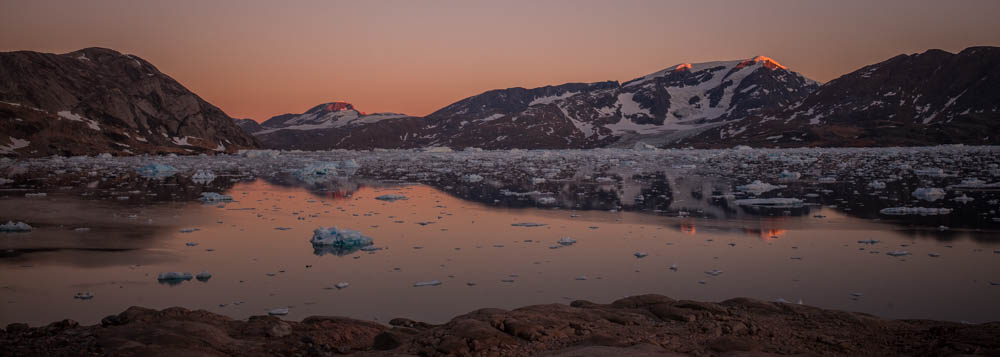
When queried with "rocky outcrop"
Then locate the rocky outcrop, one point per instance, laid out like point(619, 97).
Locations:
point(646, 325)
point(98, 100)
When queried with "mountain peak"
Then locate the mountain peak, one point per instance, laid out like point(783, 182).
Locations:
point(767, 62)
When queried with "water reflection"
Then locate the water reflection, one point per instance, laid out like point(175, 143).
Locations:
point(441, 234)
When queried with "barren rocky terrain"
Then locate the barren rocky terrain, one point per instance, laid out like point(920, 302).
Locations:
point(646, 325)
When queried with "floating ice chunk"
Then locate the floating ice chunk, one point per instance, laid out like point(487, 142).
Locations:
point(546, 200)
point(156, 170)
point(640, 254)
point(212, 197)
point(189, 230)
point(929, 194)
point(714, 272)
point(191, 244)
point(12, 226)
point(203, 276)
point(933, 171)
point(260, 154)
point(673, 267)
point(203, 177)
point(581, 277)
point(786, 175)
point(81, 229)
point(341, 285)
point(758, 187)
point(857, 295)
point(174, 276)
point(777, 202)
point(471, 178)
point(427, 283)
point(922, 211)
point(391, 197)
point(898, 253)
point(963, 199)
point(527, 224)
point(281, 311)
point(870, 241)
point(566, 241)
point(84, 296)
point(339, 237)
point(934, 255)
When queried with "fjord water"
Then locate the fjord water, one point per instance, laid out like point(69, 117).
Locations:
point(258, 251)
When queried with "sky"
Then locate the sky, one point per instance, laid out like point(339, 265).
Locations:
point(258, 58)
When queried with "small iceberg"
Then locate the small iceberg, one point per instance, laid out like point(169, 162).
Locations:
point(212, 197)
point(338, 241)
point(714, 272)
point(391, 197)
point(566, 241)
point(281, 311)
point(173, 278)
point(203, 276)
point(12, 226)
point(898, 253)
point(203, 177)
point(778, 202)
point(528, 224)
point(913, 211)
point(84, 296)
point(929, 194)
point(341, 285)
point(156, 171)
point(427, 283)
point(640, 254)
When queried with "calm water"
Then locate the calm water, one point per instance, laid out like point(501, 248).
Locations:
point(433, 235)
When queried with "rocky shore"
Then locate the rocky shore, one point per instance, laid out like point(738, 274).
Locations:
point(646, 325)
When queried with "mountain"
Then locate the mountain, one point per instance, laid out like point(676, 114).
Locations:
point(931, 98)
point(677, 101)
point(330, 125)
point(97, 100)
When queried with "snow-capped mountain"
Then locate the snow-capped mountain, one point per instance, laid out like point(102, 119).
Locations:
point(97, 100)
point(676, 101)
point(935, 97)
point(315, 128)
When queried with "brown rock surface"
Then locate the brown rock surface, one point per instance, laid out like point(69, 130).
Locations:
point(644, 325)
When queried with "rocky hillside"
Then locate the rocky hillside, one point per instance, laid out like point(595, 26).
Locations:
point(935, 97)
point(645, 325)
point(97, 100)
point(331, 125)
point(676, 101)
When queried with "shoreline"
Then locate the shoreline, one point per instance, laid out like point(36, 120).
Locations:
point(644, 325)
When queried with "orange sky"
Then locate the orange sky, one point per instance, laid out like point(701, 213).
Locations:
point(262, 58)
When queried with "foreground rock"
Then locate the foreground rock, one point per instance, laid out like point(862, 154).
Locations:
point(647, 325)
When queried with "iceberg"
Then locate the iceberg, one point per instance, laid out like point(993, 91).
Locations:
point(156, 171)
point(203, 177)
point(566, 241)
point(212, 197)
point(12, 226)
point(391, 197)
point(281, 311)
point(173, 278)
point(427, 283)
point(338, 241)
point(908, 211)
point(777, 202)
point(84, 296)
point(929, 194)
point(203, 276)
